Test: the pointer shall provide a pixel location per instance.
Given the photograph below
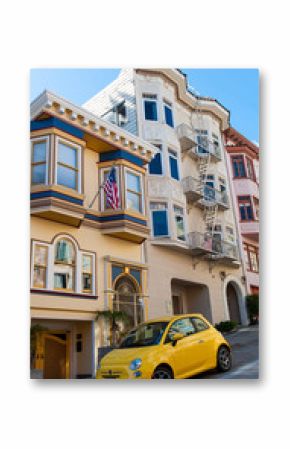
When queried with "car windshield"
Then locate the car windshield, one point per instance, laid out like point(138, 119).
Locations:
point(144, 335)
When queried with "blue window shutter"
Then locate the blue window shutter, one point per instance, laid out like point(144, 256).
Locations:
point(168, 116)
point(155, 166)
point(174, 168)
point(150, 110)
point(160, 226)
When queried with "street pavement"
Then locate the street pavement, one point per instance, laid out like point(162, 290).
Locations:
point(245, 354)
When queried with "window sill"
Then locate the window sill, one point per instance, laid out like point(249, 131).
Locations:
point(62, 293)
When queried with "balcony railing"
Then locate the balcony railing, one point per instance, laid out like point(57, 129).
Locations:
point(204, 243)
point(188, 141)
point(200, 243)
point(211, 195)
point(186, 136)
point(193, 191)
point(191, 188)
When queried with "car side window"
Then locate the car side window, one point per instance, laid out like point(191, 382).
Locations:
point(199, 324)
point(183, 326)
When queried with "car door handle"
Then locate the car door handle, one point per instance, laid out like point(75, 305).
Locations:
point(200, 341)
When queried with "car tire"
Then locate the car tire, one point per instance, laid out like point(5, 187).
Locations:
point(224, 359)
point(162, 372)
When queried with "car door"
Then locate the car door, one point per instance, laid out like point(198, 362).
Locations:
point(181, 352)
point(204, 342)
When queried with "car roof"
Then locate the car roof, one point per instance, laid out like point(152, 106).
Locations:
point(173, 317)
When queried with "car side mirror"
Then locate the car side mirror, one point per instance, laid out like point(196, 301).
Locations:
point(176, 337)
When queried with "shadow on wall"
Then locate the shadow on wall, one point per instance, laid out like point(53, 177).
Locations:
point(190, 297)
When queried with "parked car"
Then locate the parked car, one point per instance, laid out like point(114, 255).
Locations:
point(175, 347)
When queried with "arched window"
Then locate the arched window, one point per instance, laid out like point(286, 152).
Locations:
point(127, 299)
point(64, 265)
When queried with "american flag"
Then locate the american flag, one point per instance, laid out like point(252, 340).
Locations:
point(111, 189)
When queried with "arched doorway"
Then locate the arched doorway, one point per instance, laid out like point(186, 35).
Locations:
point(127, 299)
point(233, 303)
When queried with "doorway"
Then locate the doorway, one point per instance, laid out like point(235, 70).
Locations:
point(233, 303)
point(52, 354)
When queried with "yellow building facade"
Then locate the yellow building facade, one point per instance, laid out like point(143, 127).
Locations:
point(86, 256)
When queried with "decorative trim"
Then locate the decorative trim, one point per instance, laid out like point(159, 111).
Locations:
point(109, 218)
point(121, 154)
point(58, 293)
point(56, 123)
point(52, 193)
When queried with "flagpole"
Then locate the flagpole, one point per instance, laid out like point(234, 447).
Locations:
point(99, 190)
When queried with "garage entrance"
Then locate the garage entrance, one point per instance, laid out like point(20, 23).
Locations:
point(190, 297)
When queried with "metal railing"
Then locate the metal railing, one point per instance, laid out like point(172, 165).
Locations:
point(188, 138)
point(208, 243)
point(190, 184)
point(216, 196)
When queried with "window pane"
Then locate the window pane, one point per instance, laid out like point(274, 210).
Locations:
point(180, 228)
point(160, 226)
point(39, 277)
point(64, 252)
point(183, 326)
point(133, 182)
point(173, 167)
point(64, 277)
point(38, 174)
point(39, 152)
point(150, 110)
point(155, 166)
point(133, 201)
point(66, 177)
point(87, 263)
point(168, 116)
point(87, 282)
point(200, 324)
point(67, 155)
point(40, 255)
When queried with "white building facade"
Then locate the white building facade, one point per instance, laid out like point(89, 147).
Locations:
point(193, 253)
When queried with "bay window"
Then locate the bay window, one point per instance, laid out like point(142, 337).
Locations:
point(39, 161)
point(134, 191)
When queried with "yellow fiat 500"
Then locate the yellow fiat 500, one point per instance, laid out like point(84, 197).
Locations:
point(175, 347)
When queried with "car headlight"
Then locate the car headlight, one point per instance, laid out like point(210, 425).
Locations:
point(135, 364)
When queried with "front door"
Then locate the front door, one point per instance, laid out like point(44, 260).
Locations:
point(53, 354)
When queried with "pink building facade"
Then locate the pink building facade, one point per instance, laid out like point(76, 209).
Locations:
point(243, 165)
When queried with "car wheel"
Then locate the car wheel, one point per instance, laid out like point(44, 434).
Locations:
point(162, 372)
point(224, 359)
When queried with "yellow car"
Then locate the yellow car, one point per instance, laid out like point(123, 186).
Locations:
point(175, 347)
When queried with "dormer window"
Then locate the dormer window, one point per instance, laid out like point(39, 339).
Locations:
point(121, 114)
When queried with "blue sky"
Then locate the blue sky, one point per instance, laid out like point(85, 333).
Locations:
point(236, 89)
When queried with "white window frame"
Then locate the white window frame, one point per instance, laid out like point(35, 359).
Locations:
point(88, 253)
point(167, 218)
point(47, 245)
point(79, 162)
point(50, 267)
point(144, 98)
point(129, 170)
point(170, 152)
point(175, 224)
point(161, 151)
point(47, 145)
point(170, 106)
point(102, 196)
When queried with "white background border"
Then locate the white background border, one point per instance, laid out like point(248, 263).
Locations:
point(124, 33)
